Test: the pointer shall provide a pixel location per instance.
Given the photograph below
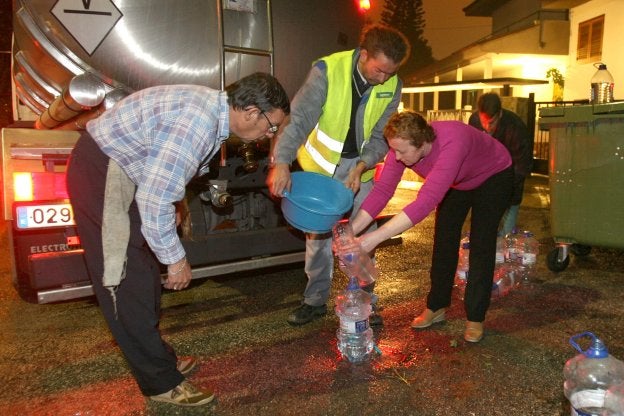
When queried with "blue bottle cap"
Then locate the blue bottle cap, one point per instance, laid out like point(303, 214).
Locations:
point(597, 348)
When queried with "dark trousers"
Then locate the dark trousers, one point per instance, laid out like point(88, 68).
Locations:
point(135, 323)
point(488, 202)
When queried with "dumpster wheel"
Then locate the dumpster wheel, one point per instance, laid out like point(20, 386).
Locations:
point(554, 262)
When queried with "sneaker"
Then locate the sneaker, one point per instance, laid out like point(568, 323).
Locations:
point(185, 394)
point(186, 365)
point(306, 313)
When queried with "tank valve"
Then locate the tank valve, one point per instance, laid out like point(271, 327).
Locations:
point(248, 153)
point(217, 194)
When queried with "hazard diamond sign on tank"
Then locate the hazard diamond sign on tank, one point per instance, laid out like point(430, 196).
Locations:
point(88, 21)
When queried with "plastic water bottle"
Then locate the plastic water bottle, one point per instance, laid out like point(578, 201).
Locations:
point(503, 282)
point(357, 263)
point(463, 266)
point(530, 250)
point(601, 85)
point(513, 247)
point(589, 375)
point(614, 401)
point(354, 336)
point(500, 250)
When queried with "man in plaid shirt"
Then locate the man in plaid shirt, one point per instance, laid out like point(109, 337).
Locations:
point(126, 172)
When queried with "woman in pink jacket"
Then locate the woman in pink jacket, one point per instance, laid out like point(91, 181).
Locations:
point(464, 169)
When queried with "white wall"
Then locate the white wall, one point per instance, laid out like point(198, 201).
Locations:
point(578, 76)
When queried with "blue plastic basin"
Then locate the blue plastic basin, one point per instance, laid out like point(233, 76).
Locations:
point(315, 202)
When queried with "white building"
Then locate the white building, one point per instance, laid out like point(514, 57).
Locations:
point(528, 38)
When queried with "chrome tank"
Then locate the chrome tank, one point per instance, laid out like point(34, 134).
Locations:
point(130, 45)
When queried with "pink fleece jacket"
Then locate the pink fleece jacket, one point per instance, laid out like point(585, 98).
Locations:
point(461, 157)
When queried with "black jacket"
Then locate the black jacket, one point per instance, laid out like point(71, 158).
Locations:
point(514, 134)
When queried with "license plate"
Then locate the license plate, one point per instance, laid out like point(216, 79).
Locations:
point(44, 216)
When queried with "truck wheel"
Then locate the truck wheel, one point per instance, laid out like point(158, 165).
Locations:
point(580, 249)
point(553, 263)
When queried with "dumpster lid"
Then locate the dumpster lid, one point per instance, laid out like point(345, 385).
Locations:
point(576, 113)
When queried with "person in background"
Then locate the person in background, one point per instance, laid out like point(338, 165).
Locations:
point(335, 129)
point(464, 170)
point(125, 174)
point(509, 129)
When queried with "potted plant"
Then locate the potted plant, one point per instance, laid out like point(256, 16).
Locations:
point(558, 83)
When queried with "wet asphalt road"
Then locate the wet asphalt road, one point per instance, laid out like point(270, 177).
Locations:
point(59, 359)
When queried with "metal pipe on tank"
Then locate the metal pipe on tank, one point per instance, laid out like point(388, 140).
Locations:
point(80, 121)
point(84, 92)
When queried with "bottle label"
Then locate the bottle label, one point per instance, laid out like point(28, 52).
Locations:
point(500, 257)
point(529, 259)
point(587, 403)
point(354, 327)
point(512, 254)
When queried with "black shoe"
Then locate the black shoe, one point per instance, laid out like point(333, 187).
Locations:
point(306, 313)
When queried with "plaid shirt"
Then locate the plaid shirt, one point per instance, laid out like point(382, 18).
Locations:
point(161, 136)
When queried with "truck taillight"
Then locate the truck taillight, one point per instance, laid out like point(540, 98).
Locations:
point(22, 186)
point(39, 186)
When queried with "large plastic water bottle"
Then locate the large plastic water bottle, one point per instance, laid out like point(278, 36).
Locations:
point(503, 281)
point(589, 375)
point(614, 401)
point(513, 247)
point(500, 250)
point(354, 336)
point(530, 250)
point(356, 263)
point(463, 266)
point(601, 85)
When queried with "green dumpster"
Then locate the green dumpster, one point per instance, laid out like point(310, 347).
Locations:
point(586, 176)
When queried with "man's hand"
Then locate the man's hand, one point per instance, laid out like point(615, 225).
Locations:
point(353, 179)
point(278, 179)
point(178, 275)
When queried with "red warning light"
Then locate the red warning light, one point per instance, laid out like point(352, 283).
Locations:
point(364, 5)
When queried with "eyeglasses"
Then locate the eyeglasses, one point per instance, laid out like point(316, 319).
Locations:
point(272, 127)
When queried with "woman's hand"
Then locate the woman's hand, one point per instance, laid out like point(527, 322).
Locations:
point(368, 243)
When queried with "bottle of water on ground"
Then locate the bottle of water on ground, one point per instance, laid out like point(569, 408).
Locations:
point(356, 263)
point(354, 336)
point(503, 281)
point(513, 247)
point(500, 250)
point(463, 266)
point(509, 269)
point(530, 250)
point(614, 401)
point(589, 375)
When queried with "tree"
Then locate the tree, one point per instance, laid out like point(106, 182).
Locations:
point(408, 17)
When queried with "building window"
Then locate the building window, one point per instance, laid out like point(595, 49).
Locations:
point(589, 47)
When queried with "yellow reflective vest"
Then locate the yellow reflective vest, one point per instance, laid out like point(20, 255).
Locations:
point(321, 151)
